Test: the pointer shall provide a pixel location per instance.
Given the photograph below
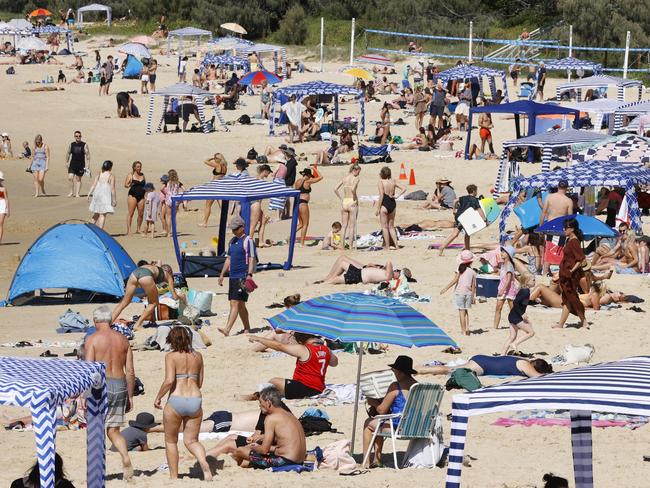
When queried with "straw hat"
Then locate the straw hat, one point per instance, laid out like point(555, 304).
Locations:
point(443, 181)
point(465, 257)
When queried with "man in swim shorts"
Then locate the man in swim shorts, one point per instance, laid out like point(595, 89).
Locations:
point(347, 271)
point(283, 442)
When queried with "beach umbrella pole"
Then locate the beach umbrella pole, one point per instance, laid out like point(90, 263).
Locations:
point(471, 33)
point(627, 54)
point(356, 396)
point(352, 42)
point(570, 48)
point(322, 38)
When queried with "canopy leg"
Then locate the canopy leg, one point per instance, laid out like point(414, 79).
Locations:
point(356, 396)
point(44, 423)
point(458, 433)
point(581, 445)
point(96, 407)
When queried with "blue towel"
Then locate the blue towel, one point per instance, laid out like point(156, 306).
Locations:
point(297, 468)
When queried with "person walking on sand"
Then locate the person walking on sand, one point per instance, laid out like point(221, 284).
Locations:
point(4, 204)
point(112, 348)
point(78, 159)
point(571, 273)
point(135, 182)
point(520, 327)
point(387, 206)
point(508, 284)
point(349, 204)
point(240, 264)
point(102, 195)
point(183, 380)
point(293, 110)
point(463, 203)
point(464, 284)
point(304, 185)
point(40, 165)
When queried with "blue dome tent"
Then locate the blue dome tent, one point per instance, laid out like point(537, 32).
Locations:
point(133, 68)
point(73, 256)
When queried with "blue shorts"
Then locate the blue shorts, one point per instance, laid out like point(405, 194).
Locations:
point(406, 84)
point(38, 165)
point(624, 270)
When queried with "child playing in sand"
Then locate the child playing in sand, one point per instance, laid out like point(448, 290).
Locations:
point(152, 206)
point(27, 151)
point(508, 285)
point(519, 322)
point(464, 284)
point(333, 240)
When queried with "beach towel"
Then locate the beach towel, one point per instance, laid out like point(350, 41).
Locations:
point(277, 203)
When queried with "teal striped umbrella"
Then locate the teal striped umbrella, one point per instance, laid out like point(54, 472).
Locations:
point(356, 317)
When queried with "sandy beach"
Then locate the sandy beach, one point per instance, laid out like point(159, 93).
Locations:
point(502, 457)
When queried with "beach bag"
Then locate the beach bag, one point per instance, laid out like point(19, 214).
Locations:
point(426, 453)
point(249, 285)
point(189, 315)
point(578, 354)
point(463, 378)
point(11, 70)
point(72, 322)
point(416, 195)
point(315, 425)
point(201, 300)
point(337, 456)
point(252, 153)
point(245, 120)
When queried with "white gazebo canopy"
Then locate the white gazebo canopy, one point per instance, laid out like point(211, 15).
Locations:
point(95, 7)
point(186, 32)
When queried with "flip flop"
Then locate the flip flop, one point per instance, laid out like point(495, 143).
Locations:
point(355, 472)
point(49, 354)
point(71, 354)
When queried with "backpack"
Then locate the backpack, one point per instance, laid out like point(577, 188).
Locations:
point(11, 70)
point(244, 120)
point(315, 425)
point(464, 379)
point(252, 154)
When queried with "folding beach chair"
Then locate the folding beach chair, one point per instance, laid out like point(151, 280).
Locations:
point(374, 154)
point(526, 89)
point(375, 384)
point(420, 420)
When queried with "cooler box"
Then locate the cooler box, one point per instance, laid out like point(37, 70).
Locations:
point(487, 286)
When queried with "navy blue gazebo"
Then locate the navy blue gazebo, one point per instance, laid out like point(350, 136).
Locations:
point(240, 188)
point(317, 88)
point(519, 108)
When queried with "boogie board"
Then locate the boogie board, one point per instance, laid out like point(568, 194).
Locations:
point(471, 219)
point(530, 212)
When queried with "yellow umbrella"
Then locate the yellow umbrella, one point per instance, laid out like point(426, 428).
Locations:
point(357, 72)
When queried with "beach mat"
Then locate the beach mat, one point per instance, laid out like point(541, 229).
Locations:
point(436, 245)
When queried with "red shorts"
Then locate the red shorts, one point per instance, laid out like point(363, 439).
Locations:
point(485, 133)
point(554, 251)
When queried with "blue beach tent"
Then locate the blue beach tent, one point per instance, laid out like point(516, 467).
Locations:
point(73, 256)
point(132, 69)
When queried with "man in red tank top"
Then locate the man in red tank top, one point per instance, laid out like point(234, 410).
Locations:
point(313, 358)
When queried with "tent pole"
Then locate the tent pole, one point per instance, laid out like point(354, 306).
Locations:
point(570, 48)
point(292, 234)
point(356, 396)
point(175, 238)
point(627, 54)
point(352, 42)
point(469, 133)
point(322, 37)
point(471, 33)
point(223, 220)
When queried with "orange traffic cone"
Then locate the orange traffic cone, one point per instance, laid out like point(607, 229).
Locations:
point(315, 171)
point(402, 172)
point(412, 177)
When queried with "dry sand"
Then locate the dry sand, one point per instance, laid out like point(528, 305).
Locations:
point(515, 456)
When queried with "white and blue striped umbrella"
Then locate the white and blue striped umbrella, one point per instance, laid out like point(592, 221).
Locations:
point(621, 387)
point(556, 138)
point(237, 187)
point(357, 317)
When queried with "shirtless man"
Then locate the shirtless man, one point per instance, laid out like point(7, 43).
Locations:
point(556, 205)
point(347, 271)
point(112, 348)
point(283, 442)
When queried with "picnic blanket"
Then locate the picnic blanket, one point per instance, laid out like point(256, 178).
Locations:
point(549, 418)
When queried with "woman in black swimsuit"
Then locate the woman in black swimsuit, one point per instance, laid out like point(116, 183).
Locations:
point(386, 206)
point(219, 167)
point(135, 182)
point(304, 185)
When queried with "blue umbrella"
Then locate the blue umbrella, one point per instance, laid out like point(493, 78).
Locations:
point(591, 227)
point(356, 317)
point(256, 78)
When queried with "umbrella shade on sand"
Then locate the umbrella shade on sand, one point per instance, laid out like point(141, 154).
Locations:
point(358, 72)
point(40, 12)
point(144, 40)
point(257, 77)
point(135, 49)
point(233, 27)
point(356, 317)
point(591, 227)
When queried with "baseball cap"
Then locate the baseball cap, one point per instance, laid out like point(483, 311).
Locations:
point(236, 223)
point(563, 184)
point(164, 178)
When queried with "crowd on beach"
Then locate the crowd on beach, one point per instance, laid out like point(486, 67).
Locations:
point(577, 271)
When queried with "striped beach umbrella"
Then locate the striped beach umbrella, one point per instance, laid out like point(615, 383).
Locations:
point(357, 317)
point(257, 77)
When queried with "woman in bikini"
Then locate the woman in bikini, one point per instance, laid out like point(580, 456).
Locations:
point(304, 186)
point(183, 380)
point(219, 167)
point(386, 206)
point(349, 204)
point(258, 218)
point(40, 165)
point(384, 115)
point(146, 277)
point(4, 204)
point(135, 182)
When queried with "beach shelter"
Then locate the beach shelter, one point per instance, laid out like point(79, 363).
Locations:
point(241, 189)
point(573, 64)
point(95, 7)
point(625, 148)
point(279, 54)
point(521, 107)
point(357, 317)
point(42, 385)
point(73, 256)
point(47, 30)
point(317, 88)
point(133, 68)
point(470, 71)
point(199, 96)
point(21, 24)
point(590, 173)
point(186, 33)
point(237, 62)
point(618, 387)
point(546, 141)
point(598, 109)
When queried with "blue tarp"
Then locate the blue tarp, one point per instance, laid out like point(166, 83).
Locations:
point(133, 68)
point(73, 256)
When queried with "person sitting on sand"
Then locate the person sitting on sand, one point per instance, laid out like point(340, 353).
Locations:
point(347, 271)
point(283, 442)
point(597, 296)
point(496, 365)
point(313, 358)
point(443, 197)
point(392, 403)
point(333, 240)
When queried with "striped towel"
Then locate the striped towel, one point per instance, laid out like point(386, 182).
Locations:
point(277, 203)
